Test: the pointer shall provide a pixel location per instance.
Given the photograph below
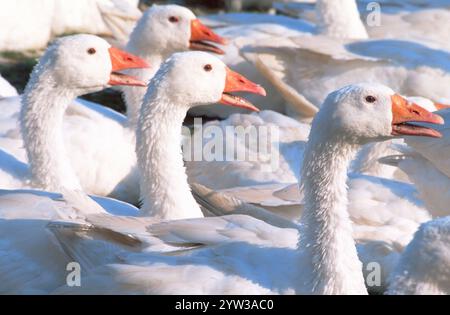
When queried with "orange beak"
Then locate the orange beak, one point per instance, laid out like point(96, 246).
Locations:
point(238, 83)
point(404, 113)
point(440, 106)
point(201, 33)
point(121, 60)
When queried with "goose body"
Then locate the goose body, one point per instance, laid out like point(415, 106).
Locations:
point(104, 17)
point(57, 17)
point(423, 267)
point(322, 63)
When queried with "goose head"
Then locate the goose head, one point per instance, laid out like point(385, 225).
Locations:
point(363, 113)
point(198, 78)
point(87, 63)
point(172, 28)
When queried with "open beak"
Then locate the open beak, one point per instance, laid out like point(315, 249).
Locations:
point(405, 113)
point(121, 60)
point(201, 34)
point(238, 83)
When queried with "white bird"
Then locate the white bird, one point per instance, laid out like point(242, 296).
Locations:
point(23, 29)
point(423, 267)
point(194, 78)
point(46, 97)
point(72, 66)
point(101, 143)
point(162, 31)
point(382, 210)
point(240, 254)
point(171, 93)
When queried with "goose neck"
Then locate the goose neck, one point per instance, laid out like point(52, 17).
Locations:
point(134, 96)
point(340, 19)
point(165, 191)
point(43, 106)
point(326, 229)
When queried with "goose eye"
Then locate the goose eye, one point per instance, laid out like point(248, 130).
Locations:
point(173, 19)
point(371, 99)
point(208, 68)
point(91, 51)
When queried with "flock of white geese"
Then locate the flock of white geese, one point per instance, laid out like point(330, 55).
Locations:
point(363, 174)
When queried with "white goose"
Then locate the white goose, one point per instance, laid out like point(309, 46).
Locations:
point(101, 143)
point(382, 210)
point(423, 267)
point(239, 253)
point(72, 66)
point(57, 17)
point(162, 31)
point(194, 79)
point(47, 95)
point(46, 148)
